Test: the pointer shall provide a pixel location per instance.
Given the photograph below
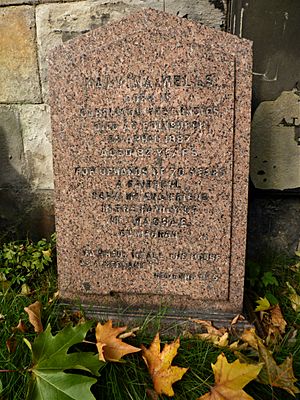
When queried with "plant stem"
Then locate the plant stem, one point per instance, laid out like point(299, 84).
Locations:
point(11, 370)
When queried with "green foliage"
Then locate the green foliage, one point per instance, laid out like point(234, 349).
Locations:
point(269, 279)
point(51, 359)
point(21, 261)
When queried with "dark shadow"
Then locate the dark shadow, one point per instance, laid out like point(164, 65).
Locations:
point(23, 212)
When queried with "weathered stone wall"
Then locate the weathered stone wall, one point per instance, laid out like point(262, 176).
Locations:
point(28, 30)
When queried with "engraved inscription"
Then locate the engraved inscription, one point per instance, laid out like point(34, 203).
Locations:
point(150, 182)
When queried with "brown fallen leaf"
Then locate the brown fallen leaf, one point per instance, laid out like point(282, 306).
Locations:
point(110, 347)
point(218, 337)
point(163, 374)
point(250, 337)
point(34, 313)
point(11, 344)
point(20, 327)
point(151, 394)
point(281, 376)
point(277, 318)
point(236, 319)
point(294, 298)
point(129, 334)
point(230, 380)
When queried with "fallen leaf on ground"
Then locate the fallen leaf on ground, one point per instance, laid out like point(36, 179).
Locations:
point(11, 344)
point(34, 313)
point(230, 380)
point(110, 347)
point(151, 394)
point(159, 365)
point(50, 378)
point(277, 320)
point(281, 376)
point(218, 337)
point(20, 327)
point(237, 318)
point(25, 290)
point(249, 336)
point(263, 304)
point(294, 298)
point(129, 334)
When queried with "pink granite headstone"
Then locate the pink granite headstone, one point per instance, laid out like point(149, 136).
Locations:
point(151, 121)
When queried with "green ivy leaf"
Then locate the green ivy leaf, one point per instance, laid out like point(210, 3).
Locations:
point(269, 279)
point(50, 358)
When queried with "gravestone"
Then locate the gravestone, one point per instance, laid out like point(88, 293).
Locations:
point(151, 121)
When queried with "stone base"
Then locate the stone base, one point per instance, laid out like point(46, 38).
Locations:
point(167, 321)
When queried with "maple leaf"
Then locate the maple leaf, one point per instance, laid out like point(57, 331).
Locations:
point(34, 313)
point(163, 374)
point(219, 337)
point(230, 380)
point(281, 376)
point(272, 374)
point(50, 360)
point(263, 304)
point(110, 347)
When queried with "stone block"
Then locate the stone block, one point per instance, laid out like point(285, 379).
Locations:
point(36, 128)
point(26, 198)
point(19, 79)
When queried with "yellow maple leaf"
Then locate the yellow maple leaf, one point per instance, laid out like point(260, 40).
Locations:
point(159, 365)
point(110, 347)
point(230, 380)
point(34, 314)
point(263, 304)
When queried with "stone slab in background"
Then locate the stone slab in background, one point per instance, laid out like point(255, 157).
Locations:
point(57, 23)
point(275, 143)
point(26, 198)
point(11, 148)
point(19, 78)
point(151, 120)
point(36, 128)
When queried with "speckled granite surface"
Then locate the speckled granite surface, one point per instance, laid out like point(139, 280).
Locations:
point(151, 121)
